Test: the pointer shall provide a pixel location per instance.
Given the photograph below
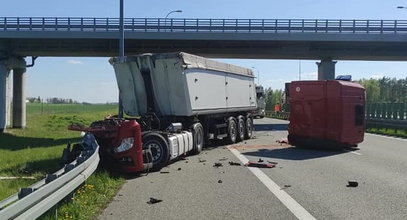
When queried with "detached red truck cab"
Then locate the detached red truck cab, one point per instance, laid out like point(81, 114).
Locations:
point(326, 114)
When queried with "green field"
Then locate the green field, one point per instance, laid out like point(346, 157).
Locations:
point(36, 151)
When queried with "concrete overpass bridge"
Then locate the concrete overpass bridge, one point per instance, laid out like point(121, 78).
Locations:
point(324, 40)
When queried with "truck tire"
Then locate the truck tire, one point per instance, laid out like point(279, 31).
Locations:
point(249, 128)
point(241, 128)
point(198, 138)
point(159, 149)
point(232, 131)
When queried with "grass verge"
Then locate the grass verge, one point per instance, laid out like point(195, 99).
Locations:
point(36, 151)
point(388, 132)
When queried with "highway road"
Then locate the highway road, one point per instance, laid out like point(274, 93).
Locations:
point(305, 184)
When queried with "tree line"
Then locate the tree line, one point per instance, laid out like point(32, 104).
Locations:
point(53, 100)
point(385, 90)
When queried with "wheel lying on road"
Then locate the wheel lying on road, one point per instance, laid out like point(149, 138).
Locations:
point(232, 131)
point(241, 128)
point(198, 138)
point(249, 128)
point(159, 149)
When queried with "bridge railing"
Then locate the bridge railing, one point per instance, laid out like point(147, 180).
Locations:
point(204, 25)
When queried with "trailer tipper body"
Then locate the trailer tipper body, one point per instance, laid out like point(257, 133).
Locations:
point(174, 103)
point(326, 114)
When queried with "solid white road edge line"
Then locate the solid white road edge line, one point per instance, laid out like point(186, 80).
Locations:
point(286, 199)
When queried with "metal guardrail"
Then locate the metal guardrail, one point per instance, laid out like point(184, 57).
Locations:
point(35, 200)
point(204, 25)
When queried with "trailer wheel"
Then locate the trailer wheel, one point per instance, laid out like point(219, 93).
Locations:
point(241, 130)
point(232, 130)
point(159, 149)
point(198, 138)
point(249, 128)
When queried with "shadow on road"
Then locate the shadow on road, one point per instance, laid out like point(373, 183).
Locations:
point(293, 153)
point(270, 127)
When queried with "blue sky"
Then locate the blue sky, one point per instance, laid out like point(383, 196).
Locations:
point(92, 79)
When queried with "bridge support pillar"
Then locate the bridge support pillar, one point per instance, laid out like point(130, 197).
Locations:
point(4, 96)
point(19, 105)
point(326, 69)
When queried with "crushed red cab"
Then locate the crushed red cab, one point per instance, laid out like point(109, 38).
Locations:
point(326, 114)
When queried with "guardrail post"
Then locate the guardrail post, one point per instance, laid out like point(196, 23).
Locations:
point(43, 24)
point(94, 24)
point(18, 23)
point(395, 26)
point(5, 23)
point(340, 26)
point(302, 23)
point(31, 24)
point(354, 26)
point(316, 25)
point(197, 25)
point(69, 24)
point(107, 24)
point(326, 26)
point(81, 24)
point(223, 26)
point(262, 25)
point(132, 24)
point(56, 24)
point(250, 25)
point(367, 23)
point(276, 26)
point(289, 26)
point(171, 24)
point(236, 25)
point(381, 26)
point(185, 24)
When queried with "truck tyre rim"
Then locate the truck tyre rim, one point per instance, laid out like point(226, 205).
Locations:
point(199, 138)
point(249, 127)
point(241, 128)
point(233, 132)
point(155, 150)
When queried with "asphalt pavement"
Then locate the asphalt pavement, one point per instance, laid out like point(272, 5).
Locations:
point(304, 184)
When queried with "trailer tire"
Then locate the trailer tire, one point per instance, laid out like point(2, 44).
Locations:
point(159, 149)
point(241, 128)
point(198, 138)
point(249, 128)
point(232, 131)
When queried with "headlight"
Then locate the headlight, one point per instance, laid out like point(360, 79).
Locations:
point(126, 144)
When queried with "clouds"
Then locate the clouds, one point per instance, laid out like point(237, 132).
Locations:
point(75, 62)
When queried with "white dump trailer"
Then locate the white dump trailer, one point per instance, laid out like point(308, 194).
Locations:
point(177, 102)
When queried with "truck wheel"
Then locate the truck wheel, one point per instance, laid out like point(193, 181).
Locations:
point(249, 128)
point(159, 149)
point(198, 138)
point(232, 130)
point(241, 130)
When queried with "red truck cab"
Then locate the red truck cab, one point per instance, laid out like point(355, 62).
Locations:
point(327, 114)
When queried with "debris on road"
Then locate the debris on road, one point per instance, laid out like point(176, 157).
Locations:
point(219, 181)
point(259, 165)
point(231, 163)
point(201, 161)
point(154, 200)
point(217, 165)
point(260, 160)
point(165, 172)
point(352, 183)
point(282, 141)
point(179, 168)
point(223, 158)
point(285, 187)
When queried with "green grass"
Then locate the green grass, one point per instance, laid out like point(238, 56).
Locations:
point(389, 132)
point(36, 151)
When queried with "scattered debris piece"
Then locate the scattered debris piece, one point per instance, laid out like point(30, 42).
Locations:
point(186, 161)
point(179, 168)
point(259, 165)
point(120, 194)
point(217, 165)
point(201, 161)
point(154, 200)
point(219, 181)
point(222, 172)
point(165, 172)
point(282, 141)
point(231, 163)
point(223, 158)
point(286, 186)
point(352, 183)
point(260, 160)
point(272, 162)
